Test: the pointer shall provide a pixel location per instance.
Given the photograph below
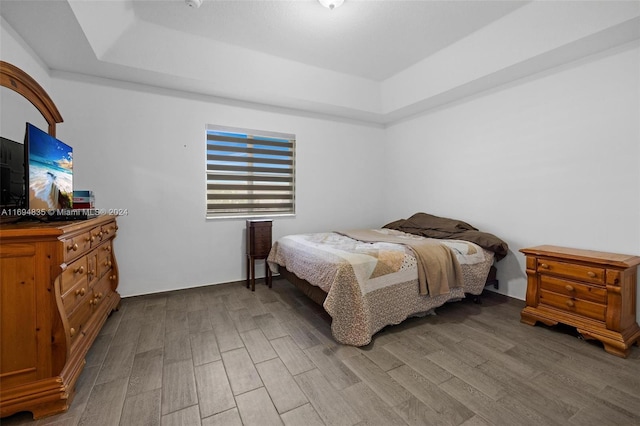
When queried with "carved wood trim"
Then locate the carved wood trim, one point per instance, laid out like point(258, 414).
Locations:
point(19, 81)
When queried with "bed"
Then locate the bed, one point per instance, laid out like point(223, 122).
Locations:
point(369, 279)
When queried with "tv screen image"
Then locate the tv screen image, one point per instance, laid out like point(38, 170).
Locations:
point(50, 171)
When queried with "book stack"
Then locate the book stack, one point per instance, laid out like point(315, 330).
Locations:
point(83, 200)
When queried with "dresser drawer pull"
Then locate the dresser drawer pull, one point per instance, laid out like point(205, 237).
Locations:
point(112, 277)
point(89, 239)
point(79, 270)
point(72, 331)
point(570, 303)
point(591, 274)
point(544, 266)
point(81, 292)
point(107, 248)
point(73, 247)
point(107, 263)
point(569, 287)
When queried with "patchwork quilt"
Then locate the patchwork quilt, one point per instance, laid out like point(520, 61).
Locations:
point(370, 285)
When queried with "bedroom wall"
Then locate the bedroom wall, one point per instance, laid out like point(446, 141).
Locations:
point(143, 149)
point(15, 108)
point(551, 159)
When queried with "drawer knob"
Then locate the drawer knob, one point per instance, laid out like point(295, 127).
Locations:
point(544, 266)
point(107, 263)
point(570, 303)
point(72, 331)
point(112, 277)
point(73, 247)
point(79, 270)
point(107, 248)
point(569, 287)
point(81, 292)
point(89, 239)
point(591, 274)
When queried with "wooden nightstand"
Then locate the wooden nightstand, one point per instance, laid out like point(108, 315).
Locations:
point(258, 247)
point(593, 291)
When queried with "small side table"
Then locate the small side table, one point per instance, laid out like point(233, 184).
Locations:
point(258, 247)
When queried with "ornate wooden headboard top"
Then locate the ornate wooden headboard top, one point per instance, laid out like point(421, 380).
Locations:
point(19, 81)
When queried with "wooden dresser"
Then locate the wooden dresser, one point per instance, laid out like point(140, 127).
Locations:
point(590, 290)
point(59, 283)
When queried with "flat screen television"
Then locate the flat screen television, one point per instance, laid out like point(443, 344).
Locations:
point(12, 175)
point(49, 171)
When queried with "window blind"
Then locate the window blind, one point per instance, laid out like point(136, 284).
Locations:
point(249, 173)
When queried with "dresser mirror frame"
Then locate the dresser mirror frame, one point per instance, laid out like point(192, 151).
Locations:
point(19, 81)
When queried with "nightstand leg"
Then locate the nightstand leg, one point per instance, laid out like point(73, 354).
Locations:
point(268, 273)
point(248, 272)
point(253, 274)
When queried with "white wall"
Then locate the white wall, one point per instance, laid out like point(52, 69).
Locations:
point(143, 149)
point(16, 110)
point(552, 159)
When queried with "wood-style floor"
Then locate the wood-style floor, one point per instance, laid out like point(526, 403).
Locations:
point(222, 355)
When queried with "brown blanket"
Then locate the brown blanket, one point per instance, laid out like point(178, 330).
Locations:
point(438, 267)
point(431, 226)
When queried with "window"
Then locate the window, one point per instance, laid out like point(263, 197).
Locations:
point(249, 173)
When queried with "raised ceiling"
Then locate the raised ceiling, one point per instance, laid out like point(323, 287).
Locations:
point(373, 61)
point(370, 39)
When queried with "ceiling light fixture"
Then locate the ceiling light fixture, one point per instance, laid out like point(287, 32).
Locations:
point(331, 4)
point(193, 3)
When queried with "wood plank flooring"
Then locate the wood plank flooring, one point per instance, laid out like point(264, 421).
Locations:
point(222, 355)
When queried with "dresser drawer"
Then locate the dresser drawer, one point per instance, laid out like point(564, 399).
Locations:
point(76, 246)
point(75, 272)
point(79, 318)
point(102, 291)
point(109, 230)
point(579, 307)
point(571, 270)
point(104, 259)
point(75, 295)
point(96, 235)
point(573, 289)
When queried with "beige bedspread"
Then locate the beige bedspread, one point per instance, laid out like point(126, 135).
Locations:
point(372, 285)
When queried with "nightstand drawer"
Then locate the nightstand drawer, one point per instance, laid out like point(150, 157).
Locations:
point(579, 307)
point(573, 289)
point(258, 238)
point(571, 270)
